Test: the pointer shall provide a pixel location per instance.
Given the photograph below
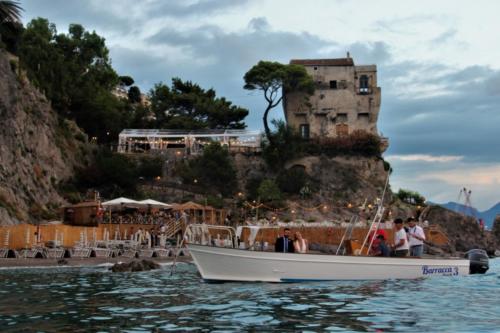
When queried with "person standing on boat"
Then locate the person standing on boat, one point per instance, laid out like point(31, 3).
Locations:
point(284, 243)
point(416, 238)
point(300, 244)
point(400, 246)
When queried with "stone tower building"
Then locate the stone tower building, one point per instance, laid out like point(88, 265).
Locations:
point(346, 99)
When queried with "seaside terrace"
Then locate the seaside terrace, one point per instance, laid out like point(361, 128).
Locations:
point(186, 142)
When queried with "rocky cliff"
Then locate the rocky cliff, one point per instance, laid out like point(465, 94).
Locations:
point(336, 182)
point(463, 231)
point(37, 151)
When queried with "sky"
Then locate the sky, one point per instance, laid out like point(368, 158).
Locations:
point(438, 66)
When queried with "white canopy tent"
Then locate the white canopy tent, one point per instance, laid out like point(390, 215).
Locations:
point(155, 204)
point(121, 202)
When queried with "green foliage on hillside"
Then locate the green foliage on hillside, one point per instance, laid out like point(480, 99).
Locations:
point(213, 171)
point(293, 180)
point(286, 145)
point(116, 175)
point(269, 192)
point(186, 105)
point(410, 197)
point(358, 143)
point(74, 71)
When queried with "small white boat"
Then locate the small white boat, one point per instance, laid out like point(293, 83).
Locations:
point(226, 263)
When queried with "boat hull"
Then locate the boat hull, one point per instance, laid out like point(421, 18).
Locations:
point(228, 264)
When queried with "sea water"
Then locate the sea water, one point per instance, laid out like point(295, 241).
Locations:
point(97, 300)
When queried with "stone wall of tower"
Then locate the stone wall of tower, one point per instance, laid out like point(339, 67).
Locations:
point(346, 99)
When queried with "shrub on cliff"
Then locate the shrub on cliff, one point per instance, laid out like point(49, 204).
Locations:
point(286, 145)
point(269, 192)
point(213, 171)
point(112, 174)
point(358, 143)
point(410, 197)
point(293, 180)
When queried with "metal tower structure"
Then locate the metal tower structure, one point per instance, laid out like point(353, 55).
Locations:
point(465, 206)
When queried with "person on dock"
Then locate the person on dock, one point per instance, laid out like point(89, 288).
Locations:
point(300, 244)
point(400, 247)
point(284, 243)
point(416, 238)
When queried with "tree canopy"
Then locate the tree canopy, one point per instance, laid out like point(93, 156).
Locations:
point(274, 80)
point(75, 73)
point(10, 11)
point(186, 105)
point(213, 172)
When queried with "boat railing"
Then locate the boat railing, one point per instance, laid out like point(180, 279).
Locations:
point(206, 234)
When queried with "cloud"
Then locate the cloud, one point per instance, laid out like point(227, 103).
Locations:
point(405, 24)
point(191, 8)
point(424, 158)
point(259, 24)
point(441, 182)
point(465, 174)
point(444, 37)
point(370, 53)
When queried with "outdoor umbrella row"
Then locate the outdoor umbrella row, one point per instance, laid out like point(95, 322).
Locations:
point(122, 202)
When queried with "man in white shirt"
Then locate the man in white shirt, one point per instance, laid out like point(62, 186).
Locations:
point(416, 238)
point(400, 246)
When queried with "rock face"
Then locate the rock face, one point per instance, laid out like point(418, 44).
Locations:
point(339, 180)
point(135, 266)
point(463, 232)
point(348, 178)
point(37, 150)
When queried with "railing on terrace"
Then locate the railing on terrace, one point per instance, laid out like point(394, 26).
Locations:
point(182, 133)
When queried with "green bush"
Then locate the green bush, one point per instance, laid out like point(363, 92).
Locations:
point(358, 143)
point(252, 187)
point(269, 192)
point(13, 66)
point(111, 173)
point(286, 145)
point(150, 167)
point(214, 201)
point(410, 197)
point(213, 171)
point(292, 180)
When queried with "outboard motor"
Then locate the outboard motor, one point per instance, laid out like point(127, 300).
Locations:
point(479, 262)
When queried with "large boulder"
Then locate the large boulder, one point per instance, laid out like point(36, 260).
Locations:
point(135, 266)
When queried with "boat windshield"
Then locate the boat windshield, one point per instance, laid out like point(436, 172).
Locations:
point(243, 237)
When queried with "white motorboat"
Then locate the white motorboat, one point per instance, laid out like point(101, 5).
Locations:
point(220, 260)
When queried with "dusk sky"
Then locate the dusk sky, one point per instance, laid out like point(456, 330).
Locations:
point(438, 67)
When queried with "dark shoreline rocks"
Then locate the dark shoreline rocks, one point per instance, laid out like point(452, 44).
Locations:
point(135, 266)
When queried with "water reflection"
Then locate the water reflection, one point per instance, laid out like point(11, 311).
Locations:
point(83, 299)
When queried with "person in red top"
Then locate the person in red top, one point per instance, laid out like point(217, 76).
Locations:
point(375, 239)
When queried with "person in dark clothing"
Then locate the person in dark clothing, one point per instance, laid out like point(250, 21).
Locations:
point(284, 243)
point(383, 249)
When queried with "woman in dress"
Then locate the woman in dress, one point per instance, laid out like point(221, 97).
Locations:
point(300, 244)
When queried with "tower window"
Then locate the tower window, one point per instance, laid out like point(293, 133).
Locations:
point(304, 131)
point(363, 84)
point(333, 84)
